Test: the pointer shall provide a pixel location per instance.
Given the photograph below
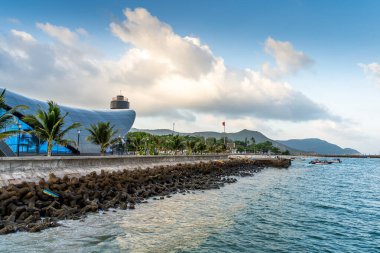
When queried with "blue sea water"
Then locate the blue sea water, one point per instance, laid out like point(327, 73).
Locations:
point(306, 208)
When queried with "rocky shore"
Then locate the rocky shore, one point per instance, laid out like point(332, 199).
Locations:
point(26, 207)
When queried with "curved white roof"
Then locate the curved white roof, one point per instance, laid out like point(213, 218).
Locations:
point(122, 119)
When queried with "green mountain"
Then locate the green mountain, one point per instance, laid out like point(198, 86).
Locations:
point(314, 145)
point(154, 131)
point(295, 146)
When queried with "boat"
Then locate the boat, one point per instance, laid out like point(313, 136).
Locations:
point(323, 162)
point(320, 162)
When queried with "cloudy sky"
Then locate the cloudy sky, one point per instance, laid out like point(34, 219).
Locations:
point(290, 69)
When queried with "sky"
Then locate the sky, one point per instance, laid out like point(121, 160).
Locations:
point(290, 69)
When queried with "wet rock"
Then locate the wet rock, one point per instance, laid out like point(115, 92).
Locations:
point(123, 206)
point(8, 229)
point(37, 227)
point(11, 218)
point(93, 207)
point(23, 205)
point(23, 216)
point(42, 182)
point(73, 181)
point(52, 178)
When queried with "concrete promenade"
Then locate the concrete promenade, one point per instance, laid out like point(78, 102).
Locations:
point(14, 170)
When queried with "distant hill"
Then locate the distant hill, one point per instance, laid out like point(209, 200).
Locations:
point(314, 145)
point(239, 136)
point(154, 131)
point(295, 146)
point(351, 151)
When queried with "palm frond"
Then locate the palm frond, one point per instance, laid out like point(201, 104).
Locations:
point(69, 128)
point(47, 125)
point(102, 134)
point(6, 134)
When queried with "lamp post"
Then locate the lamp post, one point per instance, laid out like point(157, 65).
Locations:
point(120, 145)
point(18, 139)
point(123, 145)
point(126, 144)
point(78, 139)
point(224, 131)
point(38, 147)
point(146, 146)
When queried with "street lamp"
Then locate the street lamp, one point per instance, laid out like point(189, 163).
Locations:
point(78, 139)
point(146, 146)
point(120, 145)
point(123, 145)
point(126, 144)
point(18, 139)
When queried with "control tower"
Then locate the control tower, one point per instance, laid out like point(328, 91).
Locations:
point(119, 102)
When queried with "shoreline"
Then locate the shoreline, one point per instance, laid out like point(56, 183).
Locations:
point(24, 207)
point(14, 170)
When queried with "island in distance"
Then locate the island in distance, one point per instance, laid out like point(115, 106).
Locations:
point(314, 145)
point(295, 146)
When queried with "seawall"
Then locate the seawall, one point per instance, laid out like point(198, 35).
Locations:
point(14, 170)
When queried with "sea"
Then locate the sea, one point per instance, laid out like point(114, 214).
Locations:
point(306, 208)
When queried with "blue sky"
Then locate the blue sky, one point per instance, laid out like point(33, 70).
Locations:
point(336, 36)
point(313, 24)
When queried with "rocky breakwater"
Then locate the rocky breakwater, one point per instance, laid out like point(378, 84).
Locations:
point(28, 206)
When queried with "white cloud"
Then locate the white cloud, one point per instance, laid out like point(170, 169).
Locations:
point(81, 31)
point(170, 64)
point(23, 35)
point(163, 74)
point(158, 40)
point(288, 60)
point(372, 70)
point(62, 34)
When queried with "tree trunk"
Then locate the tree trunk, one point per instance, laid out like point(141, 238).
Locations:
point(49, 146)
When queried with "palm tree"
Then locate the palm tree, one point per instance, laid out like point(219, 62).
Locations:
point(177, 143)
point(190, 144)
point(7, 117)
point(48, 126)
point(138, 142)
point(157, 144)
point(211, 144)
point(253, 144)
point(200, 146)
point(102, 134)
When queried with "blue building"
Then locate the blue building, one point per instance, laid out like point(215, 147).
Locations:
point(120, 116)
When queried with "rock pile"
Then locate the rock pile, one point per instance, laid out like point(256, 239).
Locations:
point(25, 207)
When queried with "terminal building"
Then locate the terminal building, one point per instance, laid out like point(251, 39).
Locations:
point(118, 115)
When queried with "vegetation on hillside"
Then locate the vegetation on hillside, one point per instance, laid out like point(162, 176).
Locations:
point(143, 143)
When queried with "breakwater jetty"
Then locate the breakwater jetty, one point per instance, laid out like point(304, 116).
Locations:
point(15, 170)
point(33, 206)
